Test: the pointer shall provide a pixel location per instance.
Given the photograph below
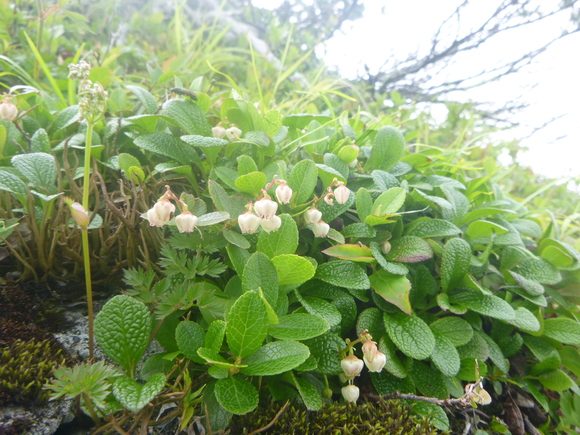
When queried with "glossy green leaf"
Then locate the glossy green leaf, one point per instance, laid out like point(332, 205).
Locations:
point(445, 356)
point(212, 218)
point(246, 165)
point(428, 381)
point(343, 273)
point(282, 241)
point(251, 183)
point(389, 202)
point(455, 263)
point(236, 238)
point(135, 396)
point(393, 288)
point(488, 305)
point(215, 335)
point(237, 395)
point(298, 326)
point(292, 269)
point(495, 353)
point(302, 180)
point(525, 320)
point(309, 393)
point(122, 330)
point(409, 249)
point(354, 252)
point(562, 329)
point(434, 412)
point(540, 270)
point(190, 336)
point(364, 203)
point(454, 329)
point(275, 358)
point(247, 325)
point(410, 334)
point(234, 205)
point(321, 308)
point(388, 148)
point(359, 230)
point(260, 274)
point(556, 380)
point(325, 349)
point(532, 287)
point(394, 365)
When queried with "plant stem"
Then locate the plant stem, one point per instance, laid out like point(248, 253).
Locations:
point(85, 240)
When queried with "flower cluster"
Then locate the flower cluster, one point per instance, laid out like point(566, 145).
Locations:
point(8, 111)
point(263, 212)
point(160, 214)
point(341, 193)
point(231, 133)
point(352, 365)
point(92, 96)
point(313, 217)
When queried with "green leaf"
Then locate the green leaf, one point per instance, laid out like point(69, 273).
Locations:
point(556, 380)
point(325, 349)
point(388, 148)
point(302, 180)
point(364, 203)
point(410, 334)
point(371, 320)
point(359, 230)
point(445, 356)
point(260, 273)
point(11, 183)
point(562, 329)
point(455, 263)
point(320, 307)
point(234, 205)
point(427, 227)
point(275, 358)
point(215, 335)
point(434, 412)
point(389, 202)
point(483, 228)
point(393, 365)
point(64, 118)
point(298, 326)
point(188, 116)
point(331, 212)
point(540, 270)
point(410, 249)
point(190, 336)
point(393, 288)
point(495, 353)
point(126, 161)
point(468, 369)
point(328, 174)
point(39, 143)
point(239, 257)
point(343, 273)
point(454, 329)
point(203, 141)
point(308, 392)
point(246, 165)
point(212, 218)
point(236, 395)
point(532, 287)
point(292, 269)
point(215, 359)
point(39, 169)
point(144, 96)
point(168, 146)
point(135, 396)
point(488, 305)
point(526, 321)
point(428, 381)
point(354, 252)
point(251, 183)
point(570, 359)
point(122, 330)
point(236, 238)
point(219, 418)
point(283, 241)
point(247, 324)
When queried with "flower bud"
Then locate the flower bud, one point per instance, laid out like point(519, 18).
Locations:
point(265, 208)
point(386, 247)
point(341, 193)
point(186, 222)
point(350, 393)
point(248, 222)
point(164, 208)
point(377, 364)
point(79, 214)
point(320, 229)
point(8, 111)
point(271, 223)
point(312, 215)
point(283, 193)
point(327, 393)
point(352, 366)
point(153, 219)
point(370, 350)
point(233, 133)
point(218, 131)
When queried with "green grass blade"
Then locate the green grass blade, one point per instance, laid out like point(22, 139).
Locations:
point(256, 75)
point(44, 67)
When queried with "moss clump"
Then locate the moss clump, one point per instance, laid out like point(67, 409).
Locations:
point(25, 366)
point(377, 418)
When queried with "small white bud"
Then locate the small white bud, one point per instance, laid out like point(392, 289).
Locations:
point(233, 133)
point(218, 131)
point(352, 366)
point(8, 111)
point(283, 193)
point(248, 222)
point(265, 208)
point(271, 223)
point(79, 214)
point(312, 215)
point(186, 222)
point(341, 193)
point(164, 208)
point(350, 393)
point(320, 229)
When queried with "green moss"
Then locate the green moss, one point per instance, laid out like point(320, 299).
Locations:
point(377, 418)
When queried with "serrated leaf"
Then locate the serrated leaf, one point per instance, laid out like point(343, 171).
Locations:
point(292, 269)
point(260, 273)
point(282, 241)
point(454, 329)
point(188, 116)
point(393, 288)
point(199, 141)
point(455, 263)
point(354, 252)
point(168, 146)
point(247, 325)
point(562, 329)
point(409, 249)
point(190, 336)
point(275, 358)
point(320, 307)
point(389, 202)
point(251, 183)
point(39, 169)
point(388, 148)
point(445, 356)
point(427, 227)
point(135, 396)
point(64, 118)
point(298, 326)
point(410, 334)
point(371, 320)
point(122, 330)
point(302, 180)
point(556, 380)
point(39, 143)
point(11, 183)
point(343, 273)
point(236, 395)
point(488, 305)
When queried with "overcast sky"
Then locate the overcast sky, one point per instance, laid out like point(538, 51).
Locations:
point(551, 86)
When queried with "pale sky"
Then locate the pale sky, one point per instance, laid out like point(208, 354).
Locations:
point(550, 86)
